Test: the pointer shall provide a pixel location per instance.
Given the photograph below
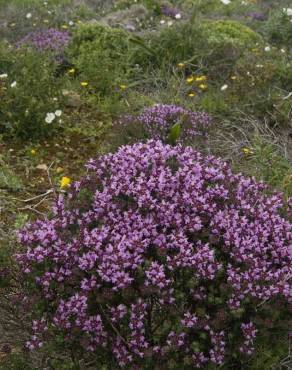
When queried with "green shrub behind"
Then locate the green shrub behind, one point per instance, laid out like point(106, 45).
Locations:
point(278, 29)
point(30, 91)
point(229, 32)
point(101, 55)
point(205, 43)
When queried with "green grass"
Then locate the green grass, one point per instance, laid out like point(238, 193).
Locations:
point(32, 3)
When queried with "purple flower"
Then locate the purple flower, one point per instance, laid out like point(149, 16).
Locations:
point(47, 40)
point(169, 11)
point(249, 333)
point(159, 119)
point(257, 16)
point(149, 248)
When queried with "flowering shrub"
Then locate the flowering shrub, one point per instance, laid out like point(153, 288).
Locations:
point(160, 256)
point(47, 40)
point(158, 122)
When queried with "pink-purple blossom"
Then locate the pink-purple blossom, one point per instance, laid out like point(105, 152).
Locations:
point(47, 40)
point(151, 250)
point(158, 120)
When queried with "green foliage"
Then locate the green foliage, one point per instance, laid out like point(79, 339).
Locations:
point(269, 165)
point(181, 42)
point(202, 6)
point(278, 28)
point(150, 4)
point(8, 179)
point(29, 3)
point(229, 32)
point(15, 361)
point(101, 56)
point(214, 103)
point(261, 80)
point(209, 44)
point(215, 8)
point(174, 133)
point(14, 23)
point(28, 93)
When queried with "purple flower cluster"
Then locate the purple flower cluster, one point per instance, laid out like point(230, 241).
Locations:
point(257, 16)
point(38, 328)
point(159, 119)
point(169, 11)
point(153, 253)
point(47, 40)
point(249, 333)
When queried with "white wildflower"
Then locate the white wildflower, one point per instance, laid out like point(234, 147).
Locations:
point(225, 2)
point(267, 48)
point(224, 87)
point(14, 83)
point(28, 15)
point(58, 112)
point(4, 75)
point(178, 16)
point(50, 117)
point(288, 11)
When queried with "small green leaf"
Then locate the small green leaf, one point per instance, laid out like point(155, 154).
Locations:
point(174, 133)
point(140, 42)
point(20, 220)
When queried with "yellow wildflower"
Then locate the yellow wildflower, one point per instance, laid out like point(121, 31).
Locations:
point(64, 26)
point(203, 86)
point(233, 77)
point(190, 79)
point(84, 83)
point(71, 71)
point(123, 87)
point(191, 94)
point(181, 65)
point(33, 152)
point(65, 181)
point(201, 78)
point(247, 151)
point(46, 21)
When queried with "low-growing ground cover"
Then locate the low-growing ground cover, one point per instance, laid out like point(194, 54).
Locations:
point(164, 254)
